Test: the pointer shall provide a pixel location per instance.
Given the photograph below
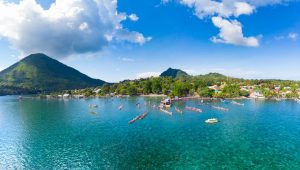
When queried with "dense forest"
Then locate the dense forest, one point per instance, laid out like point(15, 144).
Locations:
point(193, 86)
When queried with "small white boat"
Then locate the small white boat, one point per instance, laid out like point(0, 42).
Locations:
point(297, 100)
point(237, 103)
point(212, 121)
point(121, 107)
point(93, 106)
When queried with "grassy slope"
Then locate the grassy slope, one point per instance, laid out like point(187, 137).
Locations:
point(39, 72)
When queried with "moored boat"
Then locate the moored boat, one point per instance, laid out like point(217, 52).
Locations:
point(138, 117)
point(212, 121)
point(165, 103)
point(166, 111)
point(237, 103)
point(178, 110)
point(120, 107)
point(193, 109)
point(220, 108)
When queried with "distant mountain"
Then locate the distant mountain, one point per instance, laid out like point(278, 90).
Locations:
point(212, 76)
point(39, 73)
point(174, 73)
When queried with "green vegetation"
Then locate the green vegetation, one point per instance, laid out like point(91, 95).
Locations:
point(174, 73)
point(209, 85)
point(39, 73)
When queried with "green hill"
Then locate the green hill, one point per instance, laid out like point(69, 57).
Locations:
point(174, 73)
point(215, 76)
point(40, 73)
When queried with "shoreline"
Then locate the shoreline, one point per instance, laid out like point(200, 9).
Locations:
point(145, 95)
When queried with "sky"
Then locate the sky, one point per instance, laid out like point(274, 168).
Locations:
point(128, 39)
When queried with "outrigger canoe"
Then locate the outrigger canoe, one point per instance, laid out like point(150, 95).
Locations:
point(167, 112)
point(139, 117)
point(193, 109)
point(220, 108)
point(237, 103)
point(178, 110)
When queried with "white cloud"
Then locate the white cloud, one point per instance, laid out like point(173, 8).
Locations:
point(290, 36)
point(259, 3)
point(220, 12)
point(133, 17)
point(125, 59)
point(231, 33)
point(134, 37)
point(147, 75)
point(67, 27)
point(225, 8)
point(293, 36)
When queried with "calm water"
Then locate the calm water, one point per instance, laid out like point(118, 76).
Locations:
point(58, 134)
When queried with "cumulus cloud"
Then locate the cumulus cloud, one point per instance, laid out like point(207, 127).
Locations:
point(221, 12)
point(67, 27)
point(231, 33)
point(147, 75)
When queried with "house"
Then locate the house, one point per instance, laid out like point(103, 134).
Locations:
point(245, 88)
point(216, 88)
point(97, 91)
point(277, 87)
point(257, 94)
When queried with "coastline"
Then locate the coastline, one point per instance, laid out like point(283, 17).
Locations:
point(144, 95)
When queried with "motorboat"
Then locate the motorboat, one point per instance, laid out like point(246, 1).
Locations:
point(212, 121)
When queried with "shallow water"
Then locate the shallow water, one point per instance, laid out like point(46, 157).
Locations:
point(58, 134)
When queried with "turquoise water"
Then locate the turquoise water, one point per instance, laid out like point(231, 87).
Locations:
point(59, 134)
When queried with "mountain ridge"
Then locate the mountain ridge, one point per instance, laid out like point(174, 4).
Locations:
point(40, 73)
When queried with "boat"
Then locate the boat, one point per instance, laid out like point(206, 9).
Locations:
point(220, 108)
point(139, 117)
point(165, 103)
point(297, 100)
point(93, 106)
point(193, 109)
point(224, 101)
point(178, 110)
point(237, 103)
point(121, 107)
point(212, 121)
point(166, 111)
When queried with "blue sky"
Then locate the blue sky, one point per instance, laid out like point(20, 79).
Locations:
point(180, 38)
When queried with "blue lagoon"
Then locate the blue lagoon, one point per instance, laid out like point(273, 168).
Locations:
point(47, 134)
